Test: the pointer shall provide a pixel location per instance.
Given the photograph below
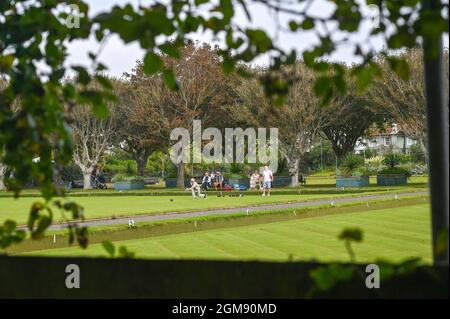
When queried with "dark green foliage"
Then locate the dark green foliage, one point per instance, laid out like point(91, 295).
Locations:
point(392, 160)
point(395, 170)
point(352, 162)
point(126, 178)
point(318, 158)
point(9, 234)
point(35, 104)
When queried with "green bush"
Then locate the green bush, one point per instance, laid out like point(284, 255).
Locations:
point(392, 160)
point(71, 172)
point(351, 163)
point(114, 166)
point(127, 178)
point(395, 170)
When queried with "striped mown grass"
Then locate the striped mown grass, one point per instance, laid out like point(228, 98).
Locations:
point(393, 234)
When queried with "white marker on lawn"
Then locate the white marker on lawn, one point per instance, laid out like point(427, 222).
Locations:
point(396, 196)
point(54, 238)
point(195, 223)
point(248, 210)
point(332, 203)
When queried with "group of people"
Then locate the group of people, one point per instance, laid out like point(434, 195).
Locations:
point(263, 180)
point(216, 179)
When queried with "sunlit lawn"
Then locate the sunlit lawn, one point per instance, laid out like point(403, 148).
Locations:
point(150, 202)
point(393, 234)
point(110, 206)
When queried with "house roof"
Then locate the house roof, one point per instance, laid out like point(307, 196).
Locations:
point(389, 130)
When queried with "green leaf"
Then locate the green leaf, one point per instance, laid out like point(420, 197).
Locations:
point(109, 247)
point(6, 63)
point(441, 244)
point(327, 277)
point(169, 79)
point(293, 26)
point(104, 82)
point(322, 86)
point(152, 63)
point(83, 75)
point(307, 24)
point(400, 67)
point(170, 49)
point(9, 226)
point(100, 110)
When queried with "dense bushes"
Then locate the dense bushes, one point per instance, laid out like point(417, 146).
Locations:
point(127, 178)
point(394, 170)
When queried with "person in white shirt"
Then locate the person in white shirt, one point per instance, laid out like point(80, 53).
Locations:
point(195, 189)
point(267, 181)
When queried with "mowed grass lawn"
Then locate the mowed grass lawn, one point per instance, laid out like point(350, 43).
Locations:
point(118, 206)
point(392, 234)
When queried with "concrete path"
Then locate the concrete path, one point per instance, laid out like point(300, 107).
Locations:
point(225, 211)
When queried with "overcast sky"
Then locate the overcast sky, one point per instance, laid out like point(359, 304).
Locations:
point(121, 58)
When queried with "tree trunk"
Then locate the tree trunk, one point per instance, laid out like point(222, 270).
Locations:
point(423, 140)
point(292, 164)
point(87, 174)
point(57, 178)
point(87, 180)
point(2, 176)
point(141, 162)
point(180, 175)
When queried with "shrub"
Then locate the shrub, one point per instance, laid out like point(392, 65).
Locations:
point(351, 163)
point(127, 178)
point(374, 164)
point(392, 160)
point(395, 170)
point(71, 172)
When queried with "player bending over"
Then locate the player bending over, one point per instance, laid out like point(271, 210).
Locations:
point(195, 189)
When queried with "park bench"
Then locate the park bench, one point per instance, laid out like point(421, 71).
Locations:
point(151, 180)
point(78, 183)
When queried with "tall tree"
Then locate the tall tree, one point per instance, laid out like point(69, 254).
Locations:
point(299, 120)
point(149, 110)
point(202, 88)
point(403, 98)
point(349, 117)
point(143, 129)
point(91, 138)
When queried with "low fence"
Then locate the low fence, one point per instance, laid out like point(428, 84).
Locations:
point(39, 277)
